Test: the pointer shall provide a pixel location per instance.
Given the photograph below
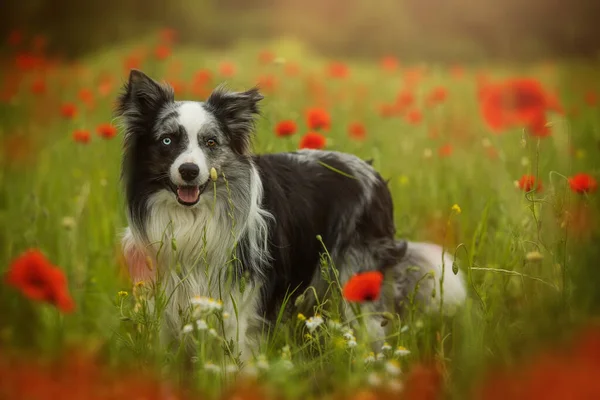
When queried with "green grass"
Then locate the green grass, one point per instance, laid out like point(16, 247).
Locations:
point(515, 305)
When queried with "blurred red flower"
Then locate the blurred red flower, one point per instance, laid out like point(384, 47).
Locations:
point(267, 83)
point(106, 130)
point(338, 69)
point(38, 86)
point(591, 98)
point(202, 77)
point(363, 287)
point(389, 63)
point(168, 36)
point(178, 86)
point(405, 99)
point(312, 140)
point(132, 61)
point(569, 373)
point(266, 57)
point(285, 128)
point(583, 183)
point(292, 69)
point(81, 136)
point(86, 96)
point(436, 96)
point(227, 69)
point(457, 71)
point(445, 150)
point(423, 382)
point(527, 183)
point(162, 52)
point(357, 130)
point(39, 280)
point(318, 118)
point(414, 117)
point(387, 110)
point(68, 110)
point(516, 102)
point(15, 37)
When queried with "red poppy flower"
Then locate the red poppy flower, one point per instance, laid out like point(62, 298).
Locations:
point(133, 61)
point(15, 38)
point(446, 150)
point(405, 99)
point(38, 86)
point(292, 69)
point(312, 140)
point(414, 117)
point(202, 77)
point(457, 71)
point(227, 69)
point(388, 110)
point(81, 136)
point(39, 280)
point(107, 131)
point(424, 382)
point(168, 35)
point(516, 102)
point(178, 86)
point(162, 52)
point(285, 128)
point(267, 83)
point(338, 69)
point(436, 96)
point(583, 183)
point(266, 57)
point(357, 131)
point(591, 98)
point(86, 96)
point(527, 183)
point(317, 118)
point(363, 287)
point(68, 110)
point(389, 63)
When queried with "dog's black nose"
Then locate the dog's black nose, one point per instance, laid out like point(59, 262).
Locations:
point(189, 171)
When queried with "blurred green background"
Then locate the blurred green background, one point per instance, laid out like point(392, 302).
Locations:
point(445, 30)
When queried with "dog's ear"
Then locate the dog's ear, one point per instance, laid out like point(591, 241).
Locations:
point(142, 97)
point(237, 110)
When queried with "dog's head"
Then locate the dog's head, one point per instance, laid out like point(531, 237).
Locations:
point(173, 145)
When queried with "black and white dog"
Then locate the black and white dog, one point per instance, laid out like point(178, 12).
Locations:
point(207, 211)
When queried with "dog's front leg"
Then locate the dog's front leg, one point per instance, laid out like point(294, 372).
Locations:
point(242, 322)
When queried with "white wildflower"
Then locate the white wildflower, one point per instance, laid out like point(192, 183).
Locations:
point(313, 323)
point(401, 351)
point(207, 305)
point(351, 343)
point(349, 335)
point(334, 325)
point(370, 358)
point(262, 362)
point(380, 356)
point(187, 328)
point(404, 329)
point(225, 315)
point(396, 385)
point(209, 366)
point(386, 347)
point(373, 379)
point(201, 325)
point(212, 332)
point(231, 369)
point(393, 368)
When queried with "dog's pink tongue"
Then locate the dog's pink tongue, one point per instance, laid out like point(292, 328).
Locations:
point(188, 194)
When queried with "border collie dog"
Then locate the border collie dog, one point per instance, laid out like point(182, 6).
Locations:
point(209, 214)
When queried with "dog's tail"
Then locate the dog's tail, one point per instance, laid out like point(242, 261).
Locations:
point(425, 275)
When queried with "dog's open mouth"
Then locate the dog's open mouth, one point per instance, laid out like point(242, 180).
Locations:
point(190, 195)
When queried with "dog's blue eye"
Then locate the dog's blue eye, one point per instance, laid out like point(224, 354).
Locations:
point(166, 141)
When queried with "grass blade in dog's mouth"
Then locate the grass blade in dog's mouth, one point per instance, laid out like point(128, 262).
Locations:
point(188, 194)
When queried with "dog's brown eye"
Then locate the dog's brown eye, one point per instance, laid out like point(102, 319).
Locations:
point(211, 142)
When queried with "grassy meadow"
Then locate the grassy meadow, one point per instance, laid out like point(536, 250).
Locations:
point(530, 257)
